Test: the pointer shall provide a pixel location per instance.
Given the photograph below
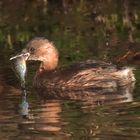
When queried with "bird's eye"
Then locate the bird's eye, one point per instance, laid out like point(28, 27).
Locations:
point(32, 50)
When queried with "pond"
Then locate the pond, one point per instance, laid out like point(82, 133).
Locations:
point(80, 29)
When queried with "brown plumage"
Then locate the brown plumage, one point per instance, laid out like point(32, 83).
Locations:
point(66, 82)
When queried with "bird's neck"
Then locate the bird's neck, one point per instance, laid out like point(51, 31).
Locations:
point(48, 65)
point(49, 62)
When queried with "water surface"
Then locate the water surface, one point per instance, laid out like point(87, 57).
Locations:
point(80, 30)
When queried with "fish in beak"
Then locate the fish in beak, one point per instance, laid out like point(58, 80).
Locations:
point(19, 67)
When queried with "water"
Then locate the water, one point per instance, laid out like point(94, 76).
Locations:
point(80, 30)
point(55, 119)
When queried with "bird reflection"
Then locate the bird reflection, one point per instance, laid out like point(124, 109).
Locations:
point(50, 109)
point(122, 95)
point(49, 118)
point(46, 118)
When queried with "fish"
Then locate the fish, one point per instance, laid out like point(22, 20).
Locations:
point(20, 68)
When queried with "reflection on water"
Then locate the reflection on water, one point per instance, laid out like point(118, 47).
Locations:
point(104, 117)
point(23, 117)
point(85, 29)
point(24, 106)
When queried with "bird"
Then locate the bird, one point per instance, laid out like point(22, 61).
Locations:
point(74, 81)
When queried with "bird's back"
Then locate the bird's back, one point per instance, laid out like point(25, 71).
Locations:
point(90, 75)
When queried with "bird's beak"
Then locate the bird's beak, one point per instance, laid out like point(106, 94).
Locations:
point(22, 54)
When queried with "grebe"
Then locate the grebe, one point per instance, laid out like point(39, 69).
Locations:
point(90, 75)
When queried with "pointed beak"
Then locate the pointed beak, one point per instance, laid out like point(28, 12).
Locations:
point(23, 54)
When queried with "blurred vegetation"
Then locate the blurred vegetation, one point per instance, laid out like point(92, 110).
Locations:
point(80, 29)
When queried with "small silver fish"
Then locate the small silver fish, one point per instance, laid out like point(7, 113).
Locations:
point(20, 68)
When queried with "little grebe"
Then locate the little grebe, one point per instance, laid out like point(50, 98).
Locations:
point(89, 75)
